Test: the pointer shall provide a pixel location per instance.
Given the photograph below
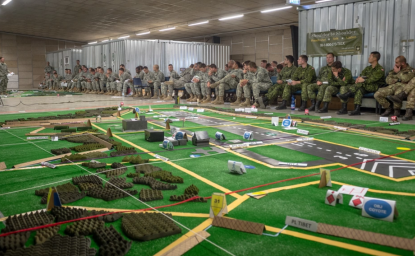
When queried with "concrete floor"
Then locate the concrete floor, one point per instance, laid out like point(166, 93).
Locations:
point(55, 103)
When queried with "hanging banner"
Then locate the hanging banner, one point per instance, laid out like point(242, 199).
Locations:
point(339, 42)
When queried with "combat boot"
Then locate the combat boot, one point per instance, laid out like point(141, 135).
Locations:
point(216, 99)
point(356, 111)
point(207, 100)
point(398, 98)
point(313, 106)
point(387, 112)
point(139, 94)
point(303, 106)
point(408, 115)
point(325, 108)
point(397, 112)
point(237, 102)
point(261, 103)
point(191, 97)
point(247, 103)
point(219, 101)
point(283, 105)
point(199, 99)
point(155, 97)
point(345, 96)
point(118, 94)
point(169, 97)
point(343, 110)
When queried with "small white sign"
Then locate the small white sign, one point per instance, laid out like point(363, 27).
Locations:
point(293, 164)
point(325, 117)
point(301, 223)
point(341, 128)
point(305, 132)
point(377, 152)
point(183, 107)
point(236, 167)
point(380, 209)
point(201, 110)
point(357, 201)
point(254, 110)
point(352, 190)
point(333, 198)
point(384, 119)
point(305, 139)
point(254, 117)
point(54, 138)
point(275, 120)
point(239, 110)
point(38, 138)
point(190, 109)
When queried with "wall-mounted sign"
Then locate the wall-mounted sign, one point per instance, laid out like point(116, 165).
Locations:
point(339, 42)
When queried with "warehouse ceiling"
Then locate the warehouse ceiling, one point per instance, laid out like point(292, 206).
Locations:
point(98, 20)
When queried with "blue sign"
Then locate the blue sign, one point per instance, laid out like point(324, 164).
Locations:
point(248, 135)
point(179, 135)
point(137, 110)
point(378, 209)
point(195, 156)
point(168, 145)
point(219, 136)
point(250, 167)
point(286, 122)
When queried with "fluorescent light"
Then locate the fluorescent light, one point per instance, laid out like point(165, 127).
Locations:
point(232, 17)
point(93, 42)
point(194, 24)
point(144, 33)
point(105, 41)
point(122, 37)
point(322, 1)
point(167, 29)
point(6, 2)
point(276, 9)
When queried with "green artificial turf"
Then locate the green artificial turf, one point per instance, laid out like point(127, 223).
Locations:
point(284, 154)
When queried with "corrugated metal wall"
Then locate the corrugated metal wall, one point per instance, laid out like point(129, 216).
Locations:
point(57, 61)
point(388, 27)
point(148, 52)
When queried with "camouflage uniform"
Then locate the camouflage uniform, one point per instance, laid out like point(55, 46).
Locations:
point(215, 77)
point(56, 82)
point(3, 77)
point(239, 89)
point(157, 79)
point(409, 89)
point(272, 73)
point(396, 83)
point(82, 80)
point(336, 83)
point(49, 69)
point(89, 84)
point(306, 76)
point(322, 77)
point(76, 69)
point(102, 81)
point(141, 76)
point(177, 83)
point(277, 89)
point(111, 84)
point(229, 82)
point(124, 82)
point(173, 75)
point(260, 82)
point(375, 77)
point(192, 87)
point(68, 81)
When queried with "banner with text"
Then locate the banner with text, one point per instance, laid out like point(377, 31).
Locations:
point(339, 42)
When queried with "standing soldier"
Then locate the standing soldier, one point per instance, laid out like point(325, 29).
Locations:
point(302, 77)
point(77, 67)
point(369, 80)
point(49, 68)
point(4, 71)
point(321, 85)
point(282, 78)
point(338, 77)
point(397, 78)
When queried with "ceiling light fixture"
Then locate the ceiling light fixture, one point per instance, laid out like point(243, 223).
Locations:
point(167, 29)
point(144, 33)
point(6, 2)
point(276, 9)
point(232, 17)
point(123, 37)
point(322, 1)
point(199, 23)
point(105, 41)
point(93, 42)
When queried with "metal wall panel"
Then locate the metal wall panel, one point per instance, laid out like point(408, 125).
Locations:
point(388, 27)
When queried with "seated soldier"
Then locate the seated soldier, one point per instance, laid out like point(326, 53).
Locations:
point(338, 77)
point(56, 81)
point(271, 70)
point(74, 85)
point(230, 81)
point(155, 82)
point(111, 82)
point(68, 79)
point(302, 77)
point(47, 82)
point(173, 75)
point(175, 83)
point(397, 78)
point(82, 81)
point(247, 77)
point(260, 82)
point(408, 91)
point(274, 64)
point(280, 67)
point(321, 85)
point(199, 84)
point(191, 89)
point(369, 80)
point(215, 74)
point(139, 73)
point(123, 82)
point(125, 69)
point(283, 76)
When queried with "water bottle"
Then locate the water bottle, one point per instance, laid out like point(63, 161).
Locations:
point(293, 102)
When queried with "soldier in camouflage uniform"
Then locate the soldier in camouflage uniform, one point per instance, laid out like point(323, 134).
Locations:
point(271, 70)
point(124, 81)
point(285, 74)
point(76, 68)
point(74, 85)
point(369, 81)
point(56, 81)
point(82, 79)
point(125, 69)
point(215, 74)
point(193, 88)
point(199, 84)
point(102, 80)
point(408, 92)
point(338, 77)
point(111, 82)
point(321, 85)
point(49, 68)
point(90, 81)
point(4, 71)
point(173, 76)
point(155, 82)
point(397, 78)
point(175, 83)
point(68, 79)
point(139, 73)
point(230, 81)
point(247, 77)
point(302, 77)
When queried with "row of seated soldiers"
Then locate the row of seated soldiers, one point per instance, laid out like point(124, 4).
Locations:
point(334, 79)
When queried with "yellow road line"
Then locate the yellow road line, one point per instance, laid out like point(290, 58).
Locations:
point(177, 166)
point(346, 246)
point(179, 214)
